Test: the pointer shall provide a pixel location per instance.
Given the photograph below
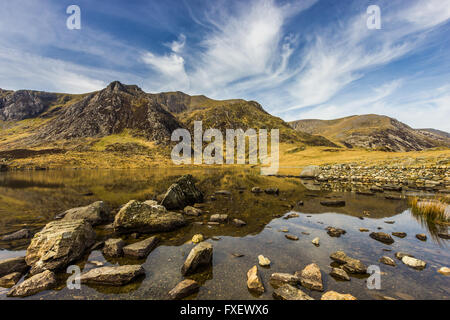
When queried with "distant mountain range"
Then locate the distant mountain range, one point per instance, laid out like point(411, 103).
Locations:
point(39, 119)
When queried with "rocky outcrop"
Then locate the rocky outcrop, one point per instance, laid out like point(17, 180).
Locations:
point(58, 244)
point(182, 193)
point(200, 255)
point(254, 283)
point(310, 277)
point(12, 265)
point(350, 265)
point(24, 104)
point(183, 289)
point(137, 216)
point(115, 276)
point(289, 292)
point(141, 249)
point(42, 281)
point(333, 295)
point(95, 213)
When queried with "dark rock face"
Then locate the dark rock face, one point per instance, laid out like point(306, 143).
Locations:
point(23, 104)
point(182, 193)
point(116, 276)
point(37, 283)
point(9, 266)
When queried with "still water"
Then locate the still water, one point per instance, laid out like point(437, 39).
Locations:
point(30, 199)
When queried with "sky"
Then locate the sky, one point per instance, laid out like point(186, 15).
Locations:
point(305, 59)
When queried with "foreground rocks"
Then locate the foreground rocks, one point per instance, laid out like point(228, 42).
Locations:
point(182, 193)
point(116, 276)
point(42, 281)
point(339, 274)
point(414, 263)
point(350, 265)
point(10, 279)
point(200, 255)
point(140, 217)
point(263, 261)
point(445, 271)
point(254, 283)
point(388, 261)
point(58, 244)
point(113, 248)
point(12, 265)
point(333, 295)
point(183, 289)
point(95, 213)
point(310, 277)
point(278, 279)
point(289, 292)
point(141, 249)
point(335, 232)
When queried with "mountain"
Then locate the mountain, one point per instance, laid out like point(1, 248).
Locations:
point(372, 131)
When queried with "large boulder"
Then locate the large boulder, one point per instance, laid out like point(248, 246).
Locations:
point(310, 172)
point(96, 213)
point(58, 244)
point(37, 283)
point(182, 193)
point(116, 276)
point(12, 265)
point(200, 255)
point(140, 217)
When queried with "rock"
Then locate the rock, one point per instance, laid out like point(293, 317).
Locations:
point(335, 232)
point(182, 193)
point(95, 213)
point(200, 255)
point(183, 289)
point(239, 223)
point(115, 276)
point(382, 237)
point(272, 191)
point(445, 271)
point(141, 249)
point(289, 292)
point(291, 215)
point(291, 237)
point(254, 283)
point(12, 265)
point(10, 279)
point(444, 235)
point(223, 193)
point(256, 190)
point(400, 255)
point(42, 281)
point(310, 277)
point(399, 234)
point(21, 234)
point(350, 265)
point(333, 203)
point(333, 295)
point(191, 211)
point(363, 230)
point(278, 279)
point(421, 237)
point(197, 238)
point(388, 261)
point(389, 222)
point(310, 172)
point(113, 248)
point(151, 202)
point(58, 244)
point(339, 274)
point(263, 261)
point(218, 218)
point(139, 217)
point(316, 241)
point(413, 262)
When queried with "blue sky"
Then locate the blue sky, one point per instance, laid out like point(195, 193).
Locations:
point(299, 59)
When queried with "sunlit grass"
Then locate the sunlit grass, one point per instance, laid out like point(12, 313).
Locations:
point(436, 210)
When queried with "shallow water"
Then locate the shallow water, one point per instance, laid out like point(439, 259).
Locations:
point(32, 198)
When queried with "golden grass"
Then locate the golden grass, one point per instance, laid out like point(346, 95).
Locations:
point(432, 209)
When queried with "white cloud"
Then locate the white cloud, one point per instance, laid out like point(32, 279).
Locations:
point(177, 45)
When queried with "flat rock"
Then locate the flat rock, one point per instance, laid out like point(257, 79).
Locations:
point(333, 203)
point(96, 213)
point(113, 248)
point(10, 279)
point(278, 279)
point(42, 281)
point(388, 261)
point(200, 255)
point(12, 265)
point(182, 193)
point(191, 211)
point(21, 234)
point(139, 217)
point(339, 274)
point(115, 276)
point(400, 255)
point(399, 234)
point(58, 244)
point(141, 249)
point(254, 283)
point(291, 237)
point(350, 265)
point(289, 292)
point(333, 295)
point(414, 263)
point(218, 218)
point(382, 237)
point(363, 230)
point(311, 277)
point(183, 289)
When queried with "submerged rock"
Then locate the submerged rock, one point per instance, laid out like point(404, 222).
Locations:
point(96, 213)
point(37, 283)
point(137, 216)
point(399, 234)
point(278, 279)
point(116, 276)
point(333, 295)
point(254, 283)
point(21, 234)
point(335, 232)
point(12, 265)
point(388, 261)
point(200, 255)
point(113, 248)
point(350, 265)
point(310, 277)
point(218, 218)
point(183, 289)
point(263, 261)
point(191, 211)
point(10, 279)
point(339, 274)
point(182, 193)
point(141, 249)
point(421, 236)
point(382, 237)
point(413, 262)
point(58, 244)
point(289, 292)
point(333, 203)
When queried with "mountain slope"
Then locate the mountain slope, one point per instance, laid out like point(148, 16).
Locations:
point(371, 132)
